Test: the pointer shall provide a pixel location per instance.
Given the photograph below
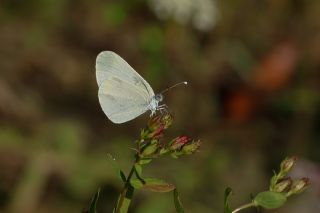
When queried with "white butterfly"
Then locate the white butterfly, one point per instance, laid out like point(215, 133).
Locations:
point(123, 93)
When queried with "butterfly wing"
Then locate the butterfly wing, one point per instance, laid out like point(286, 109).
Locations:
point(109, 64)
point(120, 100)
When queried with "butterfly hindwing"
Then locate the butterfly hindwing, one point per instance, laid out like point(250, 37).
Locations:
point(121, 101)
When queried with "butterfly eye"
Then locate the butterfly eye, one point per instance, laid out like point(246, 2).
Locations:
point(159, 97)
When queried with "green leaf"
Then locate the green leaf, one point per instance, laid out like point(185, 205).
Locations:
point(138, 172)
point(164, 151)
point(149, 149)
point(93, 204)
point(177, 202)
point(270, 200)
point(116, 168)
point(152, 184)
point(144, 161)
point(227, 194)
point(138, 169)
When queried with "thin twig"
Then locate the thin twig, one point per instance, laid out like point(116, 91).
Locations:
point(248, 205)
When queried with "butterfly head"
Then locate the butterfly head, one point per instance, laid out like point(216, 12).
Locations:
point(158, 97)
point(154, 103)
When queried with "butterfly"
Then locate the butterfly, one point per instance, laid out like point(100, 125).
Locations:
point(123, 93)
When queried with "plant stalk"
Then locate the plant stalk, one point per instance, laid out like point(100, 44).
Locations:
point(245, 206)
point(125, 188)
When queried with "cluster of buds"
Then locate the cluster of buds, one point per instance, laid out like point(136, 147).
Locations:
point(156, 126)
point(150, 145)
point(182, 145)
point(283, 184)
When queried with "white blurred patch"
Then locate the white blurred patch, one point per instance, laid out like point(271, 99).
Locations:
point(201, 13)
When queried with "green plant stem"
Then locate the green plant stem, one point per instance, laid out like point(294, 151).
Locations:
point(125, 188)
point(245, 206)
point(127, 183)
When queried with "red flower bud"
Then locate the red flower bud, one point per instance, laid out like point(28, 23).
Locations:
point(179, 142)
point(157, 132)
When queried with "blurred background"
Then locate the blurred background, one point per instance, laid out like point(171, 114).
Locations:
point(252, 99)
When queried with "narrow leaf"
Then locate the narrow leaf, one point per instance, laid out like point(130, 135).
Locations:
point(138, 170)
point(270, 200)
point(152, 184)
point(145, 161)
point(93, 204)
point(177, 202)
point(116, 168)
point(227, 194)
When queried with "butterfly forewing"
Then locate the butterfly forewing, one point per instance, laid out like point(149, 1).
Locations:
point(109, 64)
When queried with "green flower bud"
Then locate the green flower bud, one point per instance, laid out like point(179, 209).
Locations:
point(191, 147)
point(167, 120)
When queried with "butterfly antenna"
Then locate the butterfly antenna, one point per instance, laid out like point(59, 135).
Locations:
point(166, 90)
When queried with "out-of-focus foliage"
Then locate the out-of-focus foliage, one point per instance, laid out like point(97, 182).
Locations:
point(253, 98)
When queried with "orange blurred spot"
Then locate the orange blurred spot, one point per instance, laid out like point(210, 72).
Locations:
point(240, 105)
point(276, 68)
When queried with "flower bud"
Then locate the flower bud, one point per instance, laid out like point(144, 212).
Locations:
point(287, 164)
point(283, 185)
point(154, 128)
point(299, 186)
point(154, 122)
point(178, 142)
point(191, 147)
point(156, 125)
point(156, 133)
point(167, 120)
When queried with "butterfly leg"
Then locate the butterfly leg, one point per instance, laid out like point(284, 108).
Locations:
point(153, 112)
point(163, 108)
